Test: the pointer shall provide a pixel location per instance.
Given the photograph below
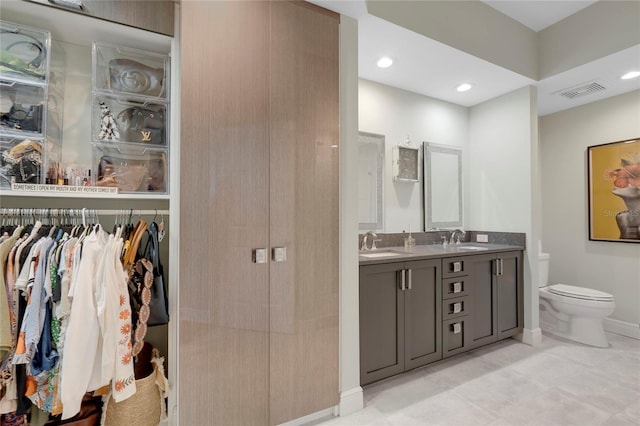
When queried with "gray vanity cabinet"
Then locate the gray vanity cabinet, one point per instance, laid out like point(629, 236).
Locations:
point(495, 292)
point(400, 317)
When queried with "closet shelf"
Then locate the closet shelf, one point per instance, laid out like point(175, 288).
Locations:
point(136, 196)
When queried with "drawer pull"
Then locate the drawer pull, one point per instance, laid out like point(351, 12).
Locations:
point(455, 308)
point(456, 328)
point(456, 267)
point(456, 287)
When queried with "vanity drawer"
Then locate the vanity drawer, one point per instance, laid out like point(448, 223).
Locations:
point(454, 308)
point(455, 336)
point(455, 287)
point(453, 267)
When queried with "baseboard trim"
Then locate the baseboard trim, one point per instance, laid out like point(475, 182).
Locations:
point(532, 337)
point(351, 401)
point(622, 328)
point(310, 417)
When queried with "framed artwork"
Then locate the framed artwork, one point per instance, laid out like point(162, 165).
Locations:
point(614, 191)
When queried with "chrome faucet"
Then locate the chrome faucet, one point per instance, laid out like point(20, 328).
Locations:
point(453, 234)
point(365, 238)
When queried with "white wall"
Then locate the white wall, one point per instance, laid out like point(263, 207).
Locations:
point(477, 29)
point(603, 28)
point(502, 191)
point(395, 114)
point(500, 151)
point(608, 266)
point(351, 398)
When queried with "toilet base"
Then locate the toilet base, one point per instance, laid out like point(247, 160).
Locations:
point(588, 331)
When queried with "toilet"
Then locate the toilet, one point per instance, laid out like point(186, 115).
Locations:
point(571, 312)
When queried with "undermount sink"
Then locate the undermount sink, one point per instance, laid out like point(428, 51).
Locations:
point(379, 254)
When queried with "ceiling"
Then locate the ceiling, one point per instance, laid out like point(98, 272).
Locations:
point(431, 68)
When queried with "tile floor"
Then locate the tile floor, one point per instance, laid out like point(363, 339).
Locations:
point(510, 383)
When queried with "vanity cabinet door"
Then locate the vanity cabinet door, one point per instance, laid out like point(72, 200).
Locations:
point(496, 296)
point(422, 313)
point(381, 322)
point(510, 295)
point(400, 317)
point(483, 297)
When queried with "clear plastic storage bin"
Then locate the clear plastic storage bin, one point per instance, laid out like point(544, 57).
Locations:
point(22, 109)
point(130, 72)
point(131, 169)
point(21, 161)
point(24, 53)
point(117, 120)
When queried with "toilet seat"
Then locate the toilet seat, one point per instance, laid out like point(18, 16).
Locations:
point(580, 293)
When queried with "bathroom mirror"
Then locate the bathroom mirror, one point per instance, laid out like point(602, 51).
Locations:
point(370, 178)
point(442, 186)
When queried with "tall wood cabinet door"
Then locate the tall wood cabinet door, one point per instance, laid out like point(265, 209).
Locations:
point(304, 139)
point(381, 322)
point(423, 315)
point(223, 369)
point(483, 296)
point(510, 297)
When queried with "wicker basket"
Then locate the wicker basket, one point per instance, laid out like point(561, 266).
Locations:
point(144, 408)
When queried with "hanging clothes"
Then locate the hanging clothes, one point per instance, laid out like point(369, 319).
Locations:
point(66, 316)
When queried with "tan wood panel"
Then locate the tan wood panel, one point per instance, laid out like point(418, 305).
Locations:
point(304, 210)
point(223, 367)
point(152, 15)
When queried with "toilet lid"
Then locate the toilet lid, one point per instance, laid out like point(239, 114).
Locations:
point(580, 292)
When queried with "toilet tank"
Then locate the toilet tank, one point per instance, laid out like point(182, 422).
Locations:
point(543, 269)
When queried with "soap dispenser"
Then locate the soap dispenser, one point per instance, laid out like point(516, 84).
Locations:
point(409, 242)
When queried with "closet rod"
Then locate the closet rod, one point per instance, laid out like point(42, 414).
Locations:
point(135, 212)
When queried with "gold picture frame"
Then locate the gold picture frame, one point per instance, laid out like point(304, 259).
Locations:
point(614, 191)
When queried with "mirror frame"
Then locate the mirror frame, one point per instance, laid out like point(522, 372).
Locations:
point(379, 140)
point(429, 149)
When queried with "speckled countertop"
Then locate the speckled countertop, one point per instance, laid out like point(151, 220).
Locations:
point(431, 251)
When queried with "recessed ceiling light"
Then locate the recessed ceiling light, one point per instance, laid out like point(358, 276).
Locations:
point(464, 87)
point(630, 74)
point(385, 62)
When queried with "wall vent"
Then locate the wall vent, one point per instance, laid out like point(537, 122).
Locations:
point(582, 90)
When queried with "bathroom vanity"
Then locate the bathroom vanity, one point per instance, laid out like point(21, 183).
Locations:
point(421, 305)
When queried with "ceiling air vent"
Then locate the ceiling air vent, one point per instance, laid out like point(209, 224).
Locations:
point(582, 90)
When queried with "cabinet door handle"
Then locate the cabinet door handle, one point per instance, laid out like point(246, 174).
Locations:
point(259, 255)
point(409, 278)
point(279, 254)
point(402, 279)
point(500, 266)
